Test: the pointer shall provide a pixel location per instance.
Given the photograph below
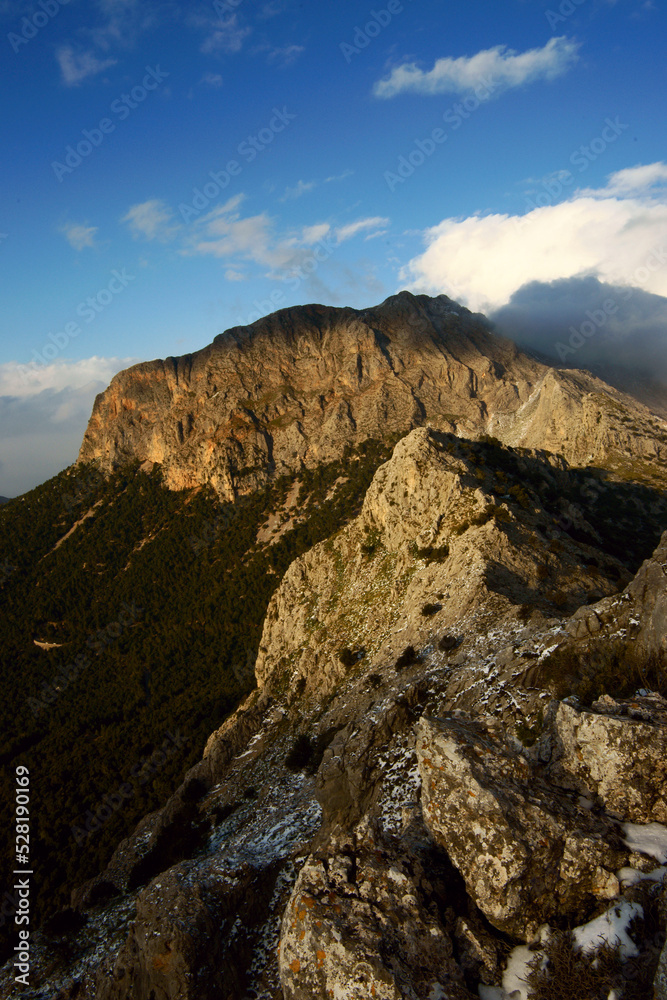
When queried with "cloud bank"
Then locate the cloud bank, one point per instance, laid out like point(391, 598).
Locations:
point(44, 411)
point(617, 332)
point(617, 233)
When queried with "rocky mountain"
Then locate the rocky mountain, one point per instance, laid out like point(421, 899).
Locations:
point(455, 749)
point(297, 386)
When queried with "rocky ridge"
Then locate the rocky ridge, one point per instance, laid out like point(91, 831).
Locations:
point(297, 386)
point(407, 796)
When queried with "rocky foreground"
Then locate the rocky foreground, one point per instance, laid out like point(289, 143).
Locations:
point(414, 802)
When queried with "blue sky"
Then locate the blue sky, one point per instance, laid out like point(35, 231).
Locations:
point(172, 170)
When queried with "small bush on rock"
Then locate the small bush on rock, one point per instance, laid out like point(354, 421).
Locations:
point(431, 609)
point(407, 658)
point(300, 755)
point(347, 657)
point(449, 643)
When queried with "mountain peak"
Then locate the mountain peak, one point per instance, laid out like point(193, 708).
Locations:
point(297, 385)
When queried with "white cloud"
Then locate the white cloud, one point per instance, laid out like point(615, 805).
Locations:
point(225, 233)
point(637, 180)
point(76, 67)
point(286, 55)
point(21, 381)
point(212, 80)
point(151, 220)
point(228, 37)
point(78, 235)
point(313, 234)
point(44, 411)
point(352, 228)
point(483, 260)
point(302, 187)
point(232, 275)
point(339, 177)
point(500, 65)
point(122, 22)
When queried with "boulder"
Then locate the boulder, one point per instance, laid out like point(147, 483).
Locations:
point(361, 922)
point(529, 852)
point(616, 751)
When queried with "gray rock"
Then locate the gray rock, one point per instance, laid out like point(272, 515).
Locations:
point(615, 756)
point(529, 854)
point(359, 924)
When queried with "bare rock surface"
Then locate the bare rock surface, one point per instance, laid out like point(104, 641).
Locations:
point(528, 853)
point(297, 386)
point(363, 921)
point(617, 753)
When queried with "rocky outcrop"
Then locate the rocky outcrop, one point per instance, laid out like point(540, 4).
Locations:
point(617, 754)
point(529, 854)
point(639, 613)
point(660, 982)
point(298, 386)
point(359, 923)
point(433, 550)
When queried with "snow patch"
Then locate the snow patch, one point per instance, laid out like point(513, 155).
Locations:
point(649, 839)
point(630, 876)
point(610, 928)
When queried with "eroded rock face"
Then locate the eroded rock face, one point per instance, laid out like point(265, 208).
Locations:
point(618, 753)
point(528, 853)
point(366, 588)
point(299, 385)
point(359, 924)
point(182, 944)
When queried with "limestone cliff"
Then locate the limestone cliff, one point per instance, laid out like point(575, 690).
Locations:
point(297, 386)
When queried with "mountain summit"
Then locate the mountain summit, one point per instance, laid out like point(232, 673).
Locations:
point(296, 386)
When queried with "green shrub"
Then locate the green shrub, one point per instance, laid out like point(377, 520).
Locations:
point(371, 542)
point(349, 657)
point(431, 554)
point(407, 658)
point(300, 754)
